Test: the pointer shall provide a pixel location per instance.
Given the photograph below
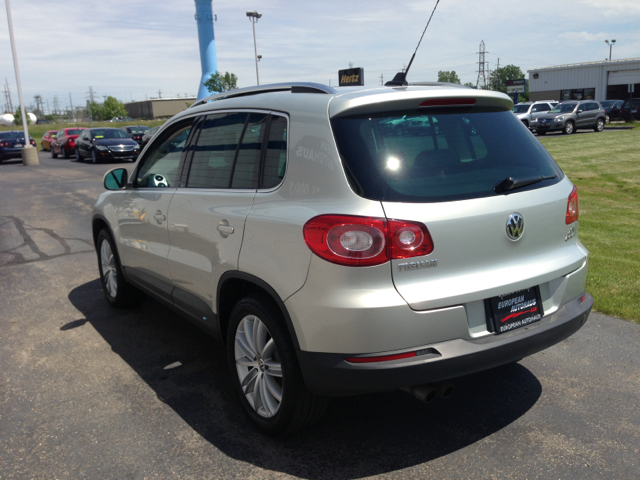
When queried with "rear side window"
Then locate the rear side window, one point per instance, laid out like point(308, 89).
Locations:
point(276, 157)
point(215, 150)
point(439, 156)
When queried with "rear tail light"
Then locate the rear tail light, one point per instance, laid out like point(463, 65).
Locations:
point(32, 142)
point(71, 142)
point(572, 207)
point(365, 241)
point(448, 102)
point(4, 144)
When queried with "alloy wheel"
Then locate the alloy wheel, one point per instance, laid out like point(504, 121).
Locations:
point(258, 365)
point(109, 272)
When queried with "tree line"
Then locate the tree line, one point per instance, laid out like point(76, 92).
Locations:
point(497, 80)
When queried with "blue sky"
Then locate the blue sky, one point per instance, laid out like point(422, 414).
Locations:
point(131, 49)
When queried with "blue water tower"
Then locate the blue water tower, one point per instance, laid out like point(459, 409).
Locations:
point(207, 40)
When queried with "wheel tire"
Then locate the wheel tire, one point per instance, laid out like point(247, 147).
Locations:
point(568, 128)
point(298, 408)
point(94, 159)
point(541, 133)
point(599, 125)
point(53, 154)
point(607, 119)
point(79, 157)
point(117, 290)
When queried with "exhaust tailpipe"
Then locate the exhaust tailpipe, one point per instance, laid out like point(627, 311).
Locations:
point(444, 389)
point(424, 393)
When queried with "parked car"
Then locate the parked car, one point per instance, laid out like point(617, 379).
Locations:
point(612, 110)
point(64, 143)
point(630, 110)
point(571, 116)
point(47, 139)
point(11, 143)
point(528, 112)
point(334, 257)
point(136, 132)
point(121, 119)
point(149, 135)
point(106, 144)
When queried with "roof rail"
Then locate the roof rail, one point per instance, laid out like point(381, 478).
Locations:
point(300, 87)
point(437, 84)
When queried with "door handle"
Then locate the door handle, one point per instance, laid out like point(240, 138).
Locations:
point(159, 217)
point(225, 229)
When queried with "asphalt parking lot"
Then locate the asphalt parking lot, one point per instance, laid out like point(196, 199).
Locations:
point(87, 391)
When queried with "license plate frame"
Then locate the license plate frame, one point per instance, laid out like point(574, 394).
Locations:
point(513, 310)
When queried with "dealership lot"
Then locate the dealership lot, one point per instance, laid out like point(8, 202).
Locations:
point(89, 391)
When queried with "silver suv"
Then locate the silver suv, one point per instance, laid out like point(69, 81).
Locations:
point(334, 256)
point(528, 112)
point(568, 117)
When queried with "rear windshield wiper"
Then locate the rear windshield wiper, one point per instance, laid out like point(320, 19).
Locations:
point(511, 183)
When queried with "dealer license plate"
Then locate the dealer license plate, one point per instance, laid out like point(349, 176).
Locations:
point(514, 310)
point(17, 145)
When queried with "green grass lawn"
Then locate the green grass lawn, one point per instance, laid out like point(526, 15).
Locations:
point(37, 131)
point(606, 169)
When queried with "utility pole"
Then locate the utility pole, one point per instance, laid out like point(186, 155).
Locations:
point(497, 79)
point(381, 79)
point(90, 101)
point(71, 103)
point(159, 93)
point(8, 94)
point(481, 82)
point(56, 106)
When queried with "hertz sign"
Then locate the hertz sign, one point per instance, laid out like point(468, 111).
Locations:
point(351, 77)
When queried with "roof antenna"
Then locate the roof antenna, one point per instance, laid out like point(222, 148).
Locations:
point(400, 80)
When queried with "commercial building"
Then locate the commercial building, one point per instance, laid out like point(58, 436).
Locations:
point(604, 80)
point(158, 107)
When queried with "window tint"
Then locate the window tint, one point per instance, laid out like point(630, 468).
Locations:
point(247, 164)
point(161, 167)
point(215, 151)
point(543, 107)
point(275, 161)
point(459, 156)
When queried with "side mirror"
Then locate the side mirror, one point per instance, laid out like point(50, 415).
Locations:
point(116, 179)
point(579, 111)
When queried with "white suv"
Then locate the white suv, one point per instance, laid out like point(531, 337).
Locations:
point(529, 112)
point(334, 256)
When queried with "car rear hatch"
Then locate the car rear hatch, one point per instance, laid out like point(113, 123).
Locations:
point(452, 176)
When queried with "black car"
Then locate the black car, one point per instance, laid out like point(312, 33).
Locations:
point(136, 132)
point(630, 110)
point(106, 144)
point(149, 135)
point(11, 144)
point(612, 109)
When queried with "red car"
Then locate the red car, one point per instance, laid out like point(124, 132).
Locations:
point(65, 142)
point(47, 138)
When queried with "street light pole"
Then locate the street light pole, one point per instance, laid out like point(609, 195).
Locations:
point(27, 156)
point(610, 46)
point(253, 18)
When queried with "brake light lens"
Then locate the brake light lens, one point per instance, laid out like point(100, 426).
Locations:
point(448, 102)
point(32, 142)
point(4, 144)
point(572, 207)
point(365, 241)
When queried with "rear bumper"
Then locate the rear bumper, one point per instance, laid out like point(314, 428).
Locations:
point(330, 374)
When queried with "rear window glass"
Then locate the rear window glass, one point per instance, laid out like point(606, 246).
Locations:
point(74, 131)
point(439, 157)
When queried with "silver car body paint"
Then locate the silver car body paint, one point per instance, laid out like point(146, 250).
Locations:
point(339, 309)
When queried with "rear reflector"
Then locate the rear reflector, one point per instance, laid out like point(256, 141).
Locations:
point(448, 102)
point(385, 358)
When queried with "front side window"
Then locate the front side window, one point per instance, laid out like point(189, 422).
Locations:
point(462, 156)
point(161, 165)
point(564, 108)
point(521, 108)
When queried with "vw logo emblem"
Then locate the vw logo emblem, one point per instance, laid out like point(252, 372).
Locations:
point(515, 227)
